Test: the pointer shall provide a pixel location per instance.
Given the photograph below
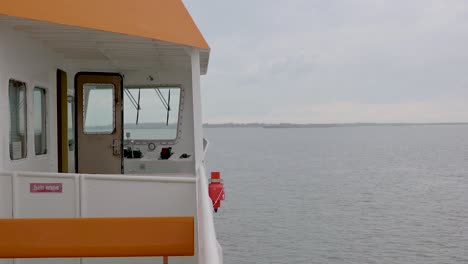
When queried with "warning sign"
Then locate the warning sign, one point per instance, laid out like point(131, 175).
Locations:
point(45, 187)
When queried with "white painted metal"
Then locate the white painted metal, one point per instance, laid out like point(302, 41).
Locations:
point(89, 195)
point(137, 196)
point(31, 63)
point(32, 51)
point(4, 108)
point(44, 205)
point(197, 113)
point(6, 204)
point(40, 68)
point(91, 48)
point(6, 195)
point(209, 250)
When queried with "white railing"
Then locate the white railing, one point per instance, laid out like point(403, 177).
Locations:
point(91, 195)
point(209, 250)
point(173, 179)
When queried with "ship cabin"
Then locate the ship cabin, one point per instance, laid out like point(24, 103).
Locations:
point(101, 142)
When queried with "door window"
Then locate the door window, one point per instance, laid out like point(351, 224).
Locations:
point(99, 108)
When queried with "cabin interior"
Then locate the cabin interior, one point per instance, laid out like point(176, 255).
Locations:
point(114, 118)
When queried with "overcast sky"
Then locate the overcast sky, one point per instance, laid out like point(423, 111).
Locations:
point(334, 61)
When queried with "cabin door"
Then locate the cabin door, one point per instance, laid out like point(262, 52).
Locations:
point(99, 121)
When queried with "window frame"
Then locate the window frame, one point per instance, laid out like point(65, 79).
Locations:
point(179, 116)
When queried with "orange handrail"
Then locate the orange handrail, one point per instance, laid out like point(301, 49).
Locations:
point(97, 237)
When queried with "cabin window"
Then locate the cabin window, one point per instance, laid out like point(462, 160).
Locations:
point(98, 107)
point(40, 121)
point(18, 119)
point(151, 113)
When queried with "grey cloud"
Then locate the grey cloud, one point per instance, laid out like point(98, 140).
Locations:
point(270, 57)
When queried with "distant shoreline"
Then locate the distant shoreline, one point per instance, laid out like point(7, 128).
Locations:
point(292, 125)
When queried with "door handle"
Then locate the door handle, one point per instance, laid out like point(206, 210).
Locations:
point(116, 146)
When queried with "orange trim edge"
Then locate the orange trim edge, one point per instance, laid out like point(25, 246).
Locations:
point(97, 237)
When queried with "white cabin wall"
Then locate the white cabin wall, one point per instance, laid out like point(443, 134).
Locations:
point(27, 60)
point(197, 110)
point(3, 107)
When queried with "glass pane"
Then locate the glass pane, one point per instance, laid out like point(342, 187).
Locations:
point(158, 116)
point(98, 108)
point(40, 121)
point(18, 110)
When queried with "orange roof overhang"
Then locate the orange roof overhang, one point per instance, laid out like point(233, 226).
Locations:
point(164, 20)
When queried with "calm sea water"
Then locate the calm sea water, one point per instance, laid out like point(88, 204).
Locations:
point(342, 195)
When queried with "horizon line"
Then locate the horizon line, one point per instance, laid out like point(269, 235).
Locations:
point(333, 123)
